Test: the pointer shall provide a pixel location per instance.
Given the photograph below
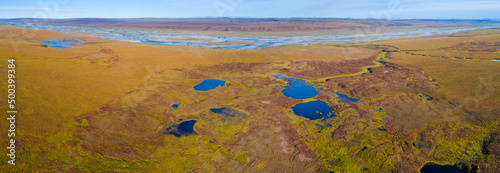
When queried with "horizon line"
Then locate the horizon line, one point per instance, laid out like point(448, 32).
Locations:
point(239, 17)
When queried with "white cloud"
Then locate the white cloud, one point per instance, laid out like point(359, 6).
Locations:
point(456, 6)
point(41, 9)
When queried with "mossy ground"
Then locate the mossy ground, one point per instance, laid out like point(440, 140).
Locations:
point(79, 116)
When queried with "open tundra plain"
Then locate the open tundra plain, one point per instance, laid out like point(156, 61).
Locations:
point(253, 95)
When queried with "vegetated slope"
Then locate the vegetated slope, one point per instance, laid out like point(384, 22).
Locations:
point(113, 115)
point(59, 86)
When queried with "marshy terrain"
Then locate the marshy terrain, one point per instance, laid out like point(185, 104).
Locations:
point(409, 104)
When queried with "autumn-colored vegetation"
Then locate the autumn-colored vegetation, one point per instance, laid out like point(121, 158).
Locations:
point(101, 106)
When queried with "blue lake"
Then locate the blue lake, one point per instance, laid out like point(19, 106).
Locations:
point(175, 106)
point(187, 126)
point(61, 44)
point(183, 129)
point(298, 88)
point(314, 110)
point(346, 98)
point(440, 169)
point(209, 84)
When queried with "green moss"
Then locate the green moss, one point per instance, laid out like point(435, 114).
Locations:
point(187, 101)
point(242, 158)
point(228, 133)
point(84, 123)
point(358, 150)
point(262, 165)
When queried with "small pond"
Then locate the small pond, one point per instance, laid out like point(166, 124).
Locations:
point(185, 128)
point(175, 106)
point(314, 110)
point(209, 84)
point(61, 44)
point(298, 88)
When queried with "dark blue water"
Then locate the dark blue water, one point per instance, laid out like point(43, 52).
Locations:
point(382, 128)
point(429, 99)
point(60, 44)
point(440, 169)
point(187, 126)
point(175, 106)
point(346, 98)
point(183, 129)
point(228, 112)
point(209, 84)
point(298, 88)
point(314, 110)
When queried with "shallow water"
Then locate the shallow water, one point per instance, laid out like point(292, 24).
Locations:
point(232, 42)
point(314, 110)
point(209, 84)
point(228, 112)
point(346, 98)
point(298, 88)
point(60, 44)
point(61, 47)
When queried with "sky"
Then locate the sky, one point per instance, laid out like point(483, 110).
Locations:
point(380, 9)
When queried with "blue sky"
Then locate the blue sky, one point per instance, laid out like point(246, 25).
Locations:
point(396, 9)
